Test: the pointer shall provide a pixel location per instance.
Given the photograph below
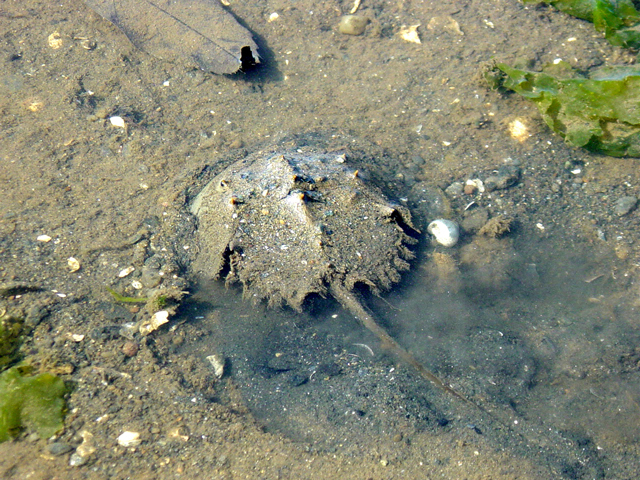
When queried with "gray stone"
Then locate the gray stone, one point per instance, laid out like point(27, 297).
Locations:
point(150, 277)
point(506, 176)
point(353, 24)
point(76, 460)
point(475, 219)
point(454, 189)
point(624, 205)
point(59, 448)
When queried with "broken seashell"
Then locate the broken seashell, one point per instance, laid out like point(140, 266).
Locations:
point(217, 362)
point(73, 264)
point(129, 439)
point(156, 321)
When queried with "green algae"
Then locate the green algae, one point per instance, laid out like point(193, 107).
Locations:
point(617, 19)
point(123, 299)
point(32, 402)
point(11, 335)
point(597, 112)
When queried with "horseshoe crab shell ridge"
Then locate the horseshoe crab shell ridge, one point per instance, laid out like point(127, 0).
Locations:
point(301, 220)
point(289, 223)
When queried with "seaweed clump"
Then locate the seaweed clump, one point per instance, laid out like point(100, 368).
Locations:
point(597, 112)
point(27, 401)
point(34, 402)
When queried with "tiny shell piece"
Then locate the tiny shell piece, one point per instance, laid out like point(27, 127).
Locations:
point(157, 320)
point(217, 362)
point(54, 40)
point(410, 34)
point(126, 271)
point(73, 264)
point(476, 183)
point(446, 232)
point(129, 439)
point(518, 130)
point(87, 447)
point(118, 122)
point(43, 238)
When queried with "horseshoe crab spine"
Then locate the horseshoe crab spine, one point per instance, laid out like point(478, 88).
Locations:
point(348, 301)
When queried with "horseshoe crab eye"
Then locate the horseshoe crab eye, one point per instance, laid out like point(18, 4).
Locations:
point(222, 186)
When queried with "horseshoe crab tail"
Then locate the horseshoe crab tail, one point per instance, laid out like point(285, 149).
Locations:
point(353, 305)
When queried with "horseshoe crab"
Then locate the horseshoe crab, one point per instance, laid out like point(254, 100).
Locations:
point(288, 223)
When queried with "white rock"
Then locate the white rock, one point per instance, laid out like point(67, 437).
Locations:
point(446, 232)
point(129, 439)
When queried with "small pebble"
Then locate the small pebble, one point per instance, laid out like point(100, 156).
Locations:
point(470, 189)
point(76, 460)
point(130, 349)
point(454, 189)
point(151, 277)
point(73, 264)
point(475, 219)
point(506, 176)
point(59, 448)
point(474, 185)
point(352, 24)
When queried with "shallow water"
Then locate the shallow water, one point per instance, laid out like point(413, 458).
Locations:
point(544, 355)
point(539, 327)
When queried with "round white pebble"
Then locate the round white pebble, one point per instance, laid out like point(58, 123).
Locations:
point(446, 232)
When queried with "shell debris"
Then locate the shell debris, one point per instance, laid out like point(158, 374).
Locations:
point(156, 321)
point(126, 271)
point(118, 122)
point(129, 439)
point(73, 264)
point(217, 362)
point(410, 33)
point(55, 40)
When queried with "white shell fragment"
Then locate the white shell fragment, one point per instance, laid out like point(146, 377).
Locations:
point(118, 122)
point(217, 362)
point(73, 264)
point(129, 439)
point(126, 271)
point(156, 321)
point(476, 183)
point(410, 33)
point(87, 447)
point(446, 232)
point(55, 40)
point(43, 238)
